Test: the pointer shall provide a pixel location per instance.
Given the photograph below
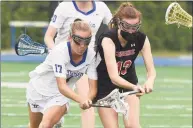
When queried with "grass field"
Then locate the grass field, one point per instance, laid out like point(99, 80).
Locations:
point(169, 106)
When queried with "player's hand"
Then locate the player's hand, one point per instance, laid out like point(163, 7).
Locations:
point(140, 89)
point(85, 103)
point(148, 86)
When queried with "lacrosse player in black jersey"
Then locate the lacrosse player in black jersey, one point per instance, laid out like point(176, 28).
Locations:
point(118, 49)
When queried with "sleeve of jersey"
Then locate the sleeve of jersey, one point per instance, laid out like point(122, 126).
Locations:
point(91, 72)
point(58, 17)
point(108, 15)
point(58, 63)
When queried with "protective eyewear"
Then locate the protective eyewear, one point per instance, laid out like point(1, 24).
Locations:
point(80, 40)
point(126, 26)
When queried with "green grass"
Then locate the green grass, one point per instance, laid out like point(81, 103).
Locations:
point(166, 53)
point(169, 106)
point(158, 53)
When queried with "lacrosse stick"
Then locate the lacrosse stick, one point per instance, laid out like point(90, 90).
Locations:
point(25, 45)
point(115, 100)
point(175, 14)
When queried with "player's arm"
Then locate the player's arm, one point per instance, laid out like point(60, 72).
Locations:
point(49, 37)
point(66, 91)
point(149, 64)
point(92, 79)
point(55, 23)
point(59, 68)
point(92, 89)
point(109, 55)
point(104, 24)
point(108, 14)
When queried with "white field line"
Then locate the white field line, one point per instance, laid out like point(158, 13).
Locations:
point(169, 107)
point(168, 126)
point(65, 126)
point(168, 98)
point(98, 126)
point(164, 80)
point(79, 115)
point(4, 100)
point(24, 73)
point(155, 107)
point(14, 74)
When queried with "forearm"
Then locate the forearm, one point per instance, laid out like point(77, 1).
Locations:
point(92, 94)
point(68, 92)
point(119, 81)
point(49, 42)
point(151, 75)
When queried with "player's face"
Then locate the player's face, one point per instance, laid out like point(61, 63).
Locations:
point(81, 40)
point(130, 25)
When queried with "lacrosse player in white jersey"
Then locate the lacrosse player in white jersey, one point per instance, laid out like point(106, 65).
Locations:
point(51, 83)
point(95, 13)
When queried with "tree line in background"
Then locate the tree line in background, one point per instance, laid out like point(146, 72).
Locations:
point(161, 36)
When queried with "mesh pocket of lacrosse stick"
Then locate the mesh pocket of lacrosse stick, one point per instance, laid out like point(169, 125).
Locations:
point(115, 100)
point(175, 14)
point(106, 101)
point(25, 45)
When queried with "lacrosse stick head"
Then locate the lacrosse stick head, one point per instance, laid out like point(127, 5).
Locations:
point(25, 45)
point(115, 101)
point(175, 14)
point(107, 101)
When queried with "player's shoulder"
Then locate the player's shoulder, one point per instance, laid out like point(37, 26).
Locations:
point(66, 6)
point(141, 35)
point(61, 47)
point(101, 4)
point(111, 33)
point(91, 52)
point(60, 51)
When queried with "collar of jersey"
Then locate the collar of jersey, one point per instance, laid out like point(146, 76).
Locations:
point(70, 54)
point(85, 13)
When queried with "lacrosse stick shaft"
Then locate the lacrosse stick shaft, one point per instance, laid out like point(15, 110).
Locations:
point(128, 93)
point(96, 105)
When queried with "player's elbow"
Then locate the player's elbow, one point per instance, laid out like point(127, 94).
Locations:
point(61, 88)
point(46, 38)
point(114, 78)
point(93, 94)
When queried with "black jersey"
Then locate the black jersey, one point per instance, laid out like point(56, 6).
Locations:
point(125, 57)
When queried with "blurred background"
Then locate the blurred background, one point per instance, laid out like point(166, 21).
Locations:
point(169, 106)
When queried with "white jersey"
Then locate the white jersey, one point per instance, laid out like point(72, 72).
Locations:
point(67, 12)
point(59, 63)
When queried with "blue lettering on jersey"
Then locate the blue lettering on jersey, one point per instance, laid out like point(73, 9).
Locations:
point(74, 74)
point(92, 24)
point(54, 18)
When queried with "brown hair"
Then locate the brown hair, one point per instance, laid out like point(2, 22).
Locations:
point(79, 25)
point(126, 10)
